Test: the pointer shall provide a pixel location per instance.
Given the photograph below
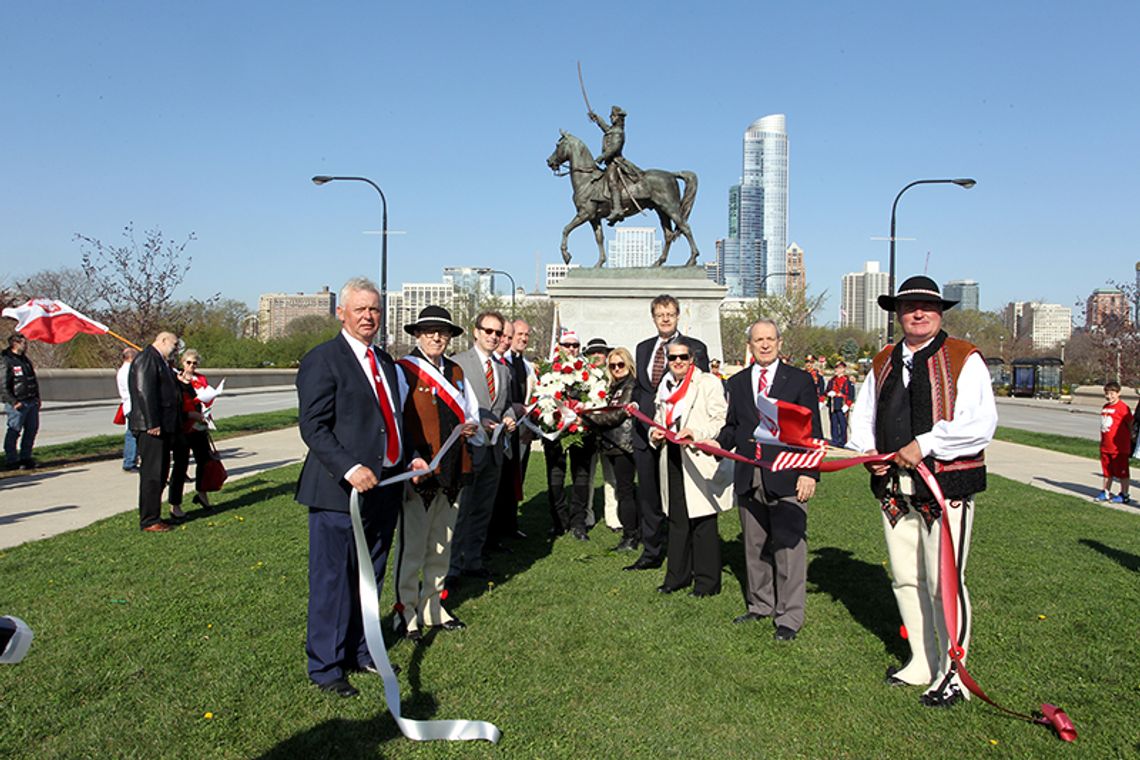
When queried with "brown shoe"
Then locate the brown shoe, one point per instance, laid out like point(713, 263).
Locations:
point(158, 527)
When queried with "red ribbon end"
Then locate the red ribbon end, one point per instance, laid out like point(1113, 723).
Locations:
point(1057, 718)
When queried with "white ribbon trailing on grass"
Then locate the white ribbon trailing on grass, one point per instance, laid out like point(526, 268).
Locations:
point(418, 730)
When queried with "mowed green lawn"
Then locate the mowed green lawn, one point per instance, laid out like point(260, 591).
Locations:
point(191, 644)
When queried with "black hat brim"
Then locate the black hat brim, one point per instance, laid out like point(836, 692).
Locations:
point(428, 324)
point(889, 303)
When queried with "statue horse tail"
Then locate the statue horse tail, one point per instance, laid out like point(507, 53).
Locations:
point(690, 180)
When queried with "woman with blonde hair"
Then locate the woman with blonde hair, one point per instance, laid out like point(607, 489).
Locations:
point(194, 436)
point(615, 442)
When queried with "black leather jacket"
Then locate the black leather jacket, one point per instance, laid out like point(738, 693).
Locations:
point(615, 428)
point(155, 398)
point(20, 382)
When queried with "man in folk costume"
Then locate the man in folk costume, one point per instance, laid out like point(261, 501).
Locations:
point(434, 398)
point(929, 399)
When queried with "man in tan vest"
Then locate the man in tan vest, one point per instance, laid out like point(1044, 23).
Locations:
point(929, 399)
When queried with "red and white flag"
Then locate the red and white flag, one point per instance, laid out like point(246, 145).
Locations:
point(788, 425)
point(52, 321)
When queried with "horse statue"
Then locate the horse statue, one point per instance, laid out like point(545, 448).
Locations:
point(656, 189)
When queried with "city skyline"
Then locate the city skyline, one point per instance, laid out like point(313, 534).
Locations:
point(216, 130)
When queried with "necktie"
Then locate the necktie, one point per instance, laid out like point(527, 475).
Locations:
point(392, 441)
point(762, 384)
point(658, 365)
point(489, 373)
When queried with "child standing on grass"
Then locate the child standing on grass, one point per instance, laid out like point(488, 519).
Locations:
point(1115, 444)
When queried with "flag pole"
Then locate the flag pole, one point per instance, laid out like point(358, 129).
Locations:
point(114, 334)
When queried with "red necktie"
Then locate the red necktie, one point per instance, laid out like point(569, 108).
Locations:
point(658, 365)
point(762, 384)
point(490, 375)
point(392, 444)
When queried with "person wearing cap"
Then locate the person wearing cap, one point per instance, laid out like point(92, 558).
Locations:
point(840, 396)
point(928, 399)
point(820, 390)
point(489, 379)
point(569, 513)
point(596, 351)
point(435, 400)
point(21, 395)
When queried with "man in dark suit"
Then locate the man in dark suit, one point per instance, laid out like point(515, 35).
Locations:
point(350, 419)
point(154, 420)
point(773, 505)
point(651, 368)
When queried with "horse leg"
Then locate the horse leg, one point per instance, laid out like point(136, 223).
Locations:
point(669, 234)
point(576, 222)
point(600, 238)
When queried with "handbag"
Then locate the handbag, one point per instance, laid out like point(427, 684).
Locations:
point(213, 471)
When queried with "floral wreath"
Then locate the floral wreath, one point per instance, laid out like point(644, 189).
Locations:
point(566, 386)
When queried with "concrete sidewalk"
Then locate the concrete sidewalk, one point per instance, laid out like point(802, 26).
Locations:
point(44, 503)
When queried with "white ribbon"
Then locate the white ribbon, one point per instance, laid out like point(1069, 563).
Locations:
point(417, 730)
point(451, 439)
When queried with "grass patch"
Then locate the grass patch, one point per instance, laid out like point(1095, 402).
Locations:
point(101, 447)
point(1081, 447)
point(139, 636)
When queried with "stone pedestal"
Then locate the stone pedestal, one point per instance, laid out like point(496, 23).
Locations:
point(614, 304)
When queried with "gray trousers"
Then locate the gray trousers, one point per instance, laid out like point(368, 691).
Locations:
point(775, 553)
point(476, 504)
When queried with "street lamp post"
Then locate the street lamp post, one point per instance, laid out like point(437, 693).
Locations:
point(488, 270)
point(322, 179)
point(764, 279)
point(961, 182)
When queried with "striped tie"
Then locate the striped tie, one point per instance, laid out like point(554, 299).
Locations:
point(658, 365)
point(489, 372)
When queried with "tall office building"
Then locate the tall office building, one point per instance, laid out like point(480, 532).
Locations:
point(1011, 317)
point(796, 271)
point(754, 251)
point(633, 247)
point(1136, 313)
point(1104, 305)
point(276, 310)
point(859, 305)
point(965, 292)
point(1046, 324)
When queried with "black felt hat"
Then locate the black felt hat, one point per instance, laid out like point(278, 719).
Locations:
point(432, 317)
point(596, 345)
point(917, 288)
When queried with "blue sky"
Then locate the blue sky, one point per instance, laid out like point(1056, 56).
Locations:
point(211, 117)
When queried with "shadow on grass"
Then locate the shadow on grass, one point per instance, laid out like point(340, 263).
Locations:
point(1080, 489)
point(338, 737)
point(18, 516)
point(864, 589)
point(245, 493)
point(1127, 560)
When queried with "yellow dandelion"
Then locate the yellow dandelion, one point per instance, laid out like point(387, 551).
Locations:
point(209, 625)
point(208, 715)
point(1040, 617)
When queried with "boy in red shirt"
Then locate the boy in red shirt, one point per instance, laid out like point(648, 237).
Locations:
point(1115, 444)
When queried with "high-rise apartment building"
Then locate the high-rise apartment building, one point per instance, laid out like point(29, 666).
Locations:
point(1105, 305)
point(753, 255)
point(405, 306)
point(965, 292)
point(859, 305)
point(633, 247)
point(796, 272)
point(276, 310)
point(1011, 317)
point(1046, 324)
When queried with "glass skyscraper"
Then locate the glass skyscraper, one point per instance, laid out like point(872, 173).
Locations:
point(758, 214)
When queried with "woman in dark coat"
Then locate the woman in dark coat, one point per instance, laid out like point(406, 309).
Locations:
point(615, 440)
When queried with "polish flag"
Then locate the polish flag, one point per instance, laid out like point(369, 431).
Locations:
point(783, 423)
point(51, 321)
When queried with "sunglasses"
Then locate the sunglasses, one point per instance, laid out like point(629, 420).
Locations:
point(492, 331)
point(679, 357)
point(617, 365)
point(190, 363)
point(570, 345)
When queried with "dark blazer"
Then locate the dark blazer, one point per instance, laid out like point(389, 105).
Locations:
point(790, 384)
point(341, 424)
point(156, 401)
point(645, 392)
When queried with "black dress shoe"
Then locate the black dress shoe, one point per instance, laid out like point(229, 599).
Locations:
point(701, 594)
point(747, 617)
point(415, 636)
point(951, 696)
point(455, 624)
point(555, 532)
point(625, 545)
point(581, 534)
point(643, 564)
point(784, 633)
point(340, 686)
point(666, 588)
point(891, 680)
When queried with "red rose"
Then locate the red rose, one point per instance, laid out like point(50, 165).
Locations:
point(557, 395)
point(585, 376)
point(601, 394)
point(578, 364)
point(567, 370)
point(573, 427)
point(557, 366)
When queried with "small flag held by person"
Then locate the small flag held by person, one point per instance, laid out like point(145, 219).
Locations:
point(788, 425)
point(51, 321)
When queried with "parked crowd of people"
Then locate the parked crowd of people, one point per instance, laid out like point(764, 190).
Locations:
point(366, 416)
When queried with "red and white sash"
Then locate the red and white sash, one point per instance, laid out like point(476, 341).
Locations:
point(674, 403)
point(429, 374)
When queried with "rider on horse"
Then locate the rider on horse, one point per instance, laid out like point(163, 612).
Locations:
point(612, 143)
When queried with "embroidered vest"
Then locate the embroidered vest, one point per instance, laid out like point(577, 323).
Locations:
point(903, 412)
point(427, 424)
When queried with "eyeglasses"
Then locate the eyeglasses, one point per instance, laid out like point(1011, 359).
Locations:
point(617, 365)
point(190, 363)
point(490, 331)
point(570, 345)
point(665, 315)
point(679, 357)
